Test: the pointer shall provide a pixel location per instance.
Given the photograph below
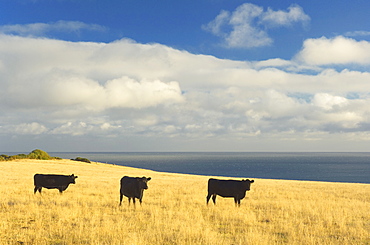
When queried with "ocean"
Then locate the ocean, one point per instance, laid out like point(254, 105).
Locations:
point(330, 167)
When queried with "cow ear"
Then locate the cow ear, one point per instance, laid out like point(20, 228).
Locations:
point(252, 181)
point(148, 178)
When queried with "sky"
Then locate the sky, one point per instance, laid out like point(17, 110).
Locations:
point(191, 75)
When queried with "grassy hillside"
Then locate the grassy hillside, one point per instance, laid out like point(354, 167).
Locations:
point(174, 209)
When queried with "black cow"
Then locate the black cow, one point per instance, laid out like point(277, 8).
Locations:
point(228, 188)
point(133, 187)
point(53, 181)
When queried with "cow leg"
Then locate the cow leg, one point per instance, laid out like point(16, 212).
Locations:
point(237, 202)
point(133, 201)
point(37, 189)
point(214, 198)
point(60, 190)
point(120, 199)
point(140, 200)
point(129, 201)
point(208, 197)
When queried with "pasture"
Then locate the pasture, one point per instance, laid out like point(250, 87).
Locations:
point(174, 209)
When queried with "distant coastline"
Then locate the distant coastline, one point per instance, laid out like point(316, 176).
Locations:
point(351, 167)
point(348, 167)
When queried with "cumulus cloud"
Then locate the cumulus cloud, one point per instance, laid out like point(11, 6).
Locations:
point(337, 50)
point(65, 77)
point(247, 25)
point(125, 90)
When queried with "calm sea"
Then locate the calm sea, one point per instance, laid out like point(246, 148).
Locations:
point(332, 167)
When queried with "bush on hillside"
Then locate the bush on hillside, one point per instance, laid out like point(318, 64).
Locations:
point(3, 157)
point(81, 159)
point(19, 156)
point(35, 154)
point(39, 154)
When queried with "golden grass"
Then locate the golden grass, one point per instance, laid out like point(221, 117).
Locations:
point(174, 209)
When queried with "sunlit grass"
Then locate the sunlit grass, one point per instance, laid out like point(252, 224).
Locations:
point(174, 209)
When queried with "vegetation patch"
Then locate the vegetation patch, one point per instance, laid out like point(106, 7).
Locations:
point(35, 154)
point(81, 159)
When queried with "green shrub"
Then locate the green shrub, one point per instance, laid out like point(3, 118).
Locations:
point(81, 159)
point(19, 156)
point(36, 154)
point(4, 157)
point(39, 154)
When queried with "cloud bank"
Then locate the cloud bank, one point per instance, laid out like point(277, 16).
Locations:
point(124, 90)
point(247, 26)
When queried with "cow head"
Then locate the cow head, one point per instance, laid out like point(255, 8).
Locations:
point(143, 182)
point(73, 177)
point(247, 184)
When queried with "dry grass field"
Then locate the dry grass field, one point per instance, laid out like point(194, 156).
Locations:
point(174, 209)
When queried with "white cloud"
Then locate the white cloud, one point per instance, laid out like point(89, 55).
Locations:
point(247, 26)
point(126, 92)
point(89, 127)
point(40, 29)
point(357, 33)
point(278, 18)
point(327, 101)
point(244, 32)
point(273, 63)
point(33, 128)
point(337, 50)
point(218, 23)
point(71, 76)
point(130, 90)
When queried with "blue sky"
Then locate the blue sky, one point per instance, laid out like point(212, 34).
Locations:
point(179, 24)
point(208, 75)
